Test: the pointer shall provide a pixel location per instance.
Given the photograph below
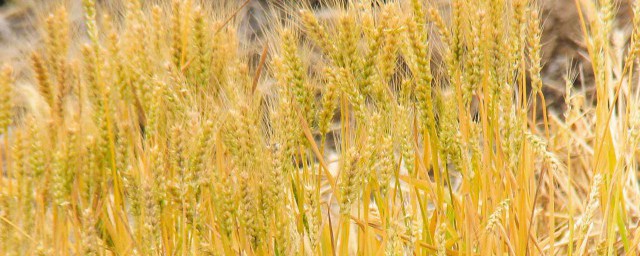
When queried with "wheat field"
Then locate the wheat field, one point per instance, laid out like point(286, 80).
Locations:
point(398, 127)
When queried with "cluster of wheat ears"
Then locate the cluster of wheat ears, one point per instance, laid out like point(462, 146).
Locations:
point(149, 131)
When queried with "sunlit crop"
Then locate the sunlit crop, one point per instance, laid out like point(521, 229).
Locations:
point(394, 128)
